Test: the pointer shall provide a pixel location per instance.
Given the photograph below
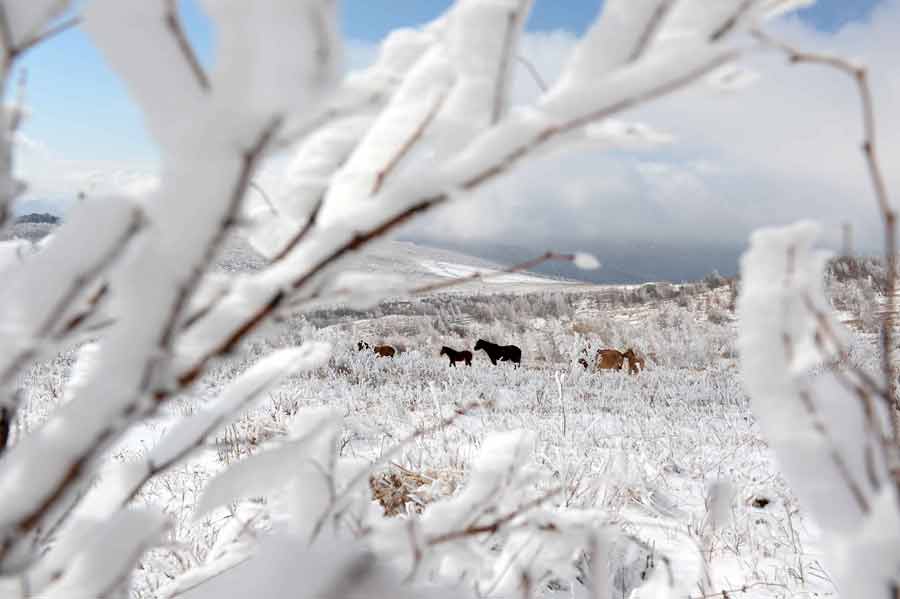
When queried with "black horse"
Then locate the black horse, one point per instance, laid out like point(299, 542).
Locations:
point(362, 345)
point(504, 353)
point(457, 356)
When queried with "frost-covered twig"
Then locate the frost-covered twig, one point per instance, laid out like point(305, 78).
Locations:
point(532, 70)
point(408, 144)
point(651, 28)
point(495, 525)
point(51, 32)
point(869, 147)
point(173, 23)
point(746, 588)
point(515, 21)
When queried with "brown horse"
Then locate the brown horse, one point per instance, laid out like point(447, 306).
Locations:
point(635, 362)
point(384, 351)
point(609, 359)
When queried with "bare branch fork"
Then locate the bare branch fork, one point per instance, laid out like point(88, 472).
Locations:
point(885, 205)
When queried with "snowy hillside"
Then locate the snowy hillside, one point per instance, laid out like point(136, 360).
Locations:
point(417, 264)
point(649, 451)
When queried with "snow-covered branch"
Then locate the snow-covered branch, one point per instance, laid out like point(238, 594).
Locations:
point(869, 147)
point(428, 123)
point(830, 441)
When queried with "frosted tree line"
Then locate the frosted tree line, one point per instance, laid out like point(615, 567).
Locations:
point(428, 123)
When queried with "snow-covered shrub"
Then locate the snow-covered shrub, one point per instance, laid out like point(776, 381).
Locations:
point(830, 429)
point(165, 320)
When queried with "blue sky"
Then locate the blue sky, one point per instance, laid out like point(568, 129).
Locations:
point(79, 108)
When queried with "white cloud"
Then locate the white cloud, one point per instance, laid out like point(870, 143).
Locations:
point(784, 148)
point(52, 177)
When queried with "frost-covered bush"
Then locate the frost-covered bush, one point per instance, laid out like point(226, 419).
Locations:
point(428, 122)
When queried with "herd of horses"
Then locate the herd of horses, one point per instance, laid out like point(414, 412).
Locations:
point(604, 359)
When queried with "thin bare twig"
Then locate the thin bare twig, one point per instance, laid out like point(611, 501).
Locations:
point(727, 593)
point(495, 525)
point(53, 31)
point(6, 36)
point(303, 232)
point(262, 192)
point(501, 79)
point(886, 207)
point(173, 23)
point(861, 391)
point(535, 74)
point(731, 22)
point(650, 31)
point(409, 144)
point(828, 332)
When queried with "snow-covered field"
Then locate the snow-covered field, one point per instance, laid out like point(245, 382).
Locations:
point(652, 454)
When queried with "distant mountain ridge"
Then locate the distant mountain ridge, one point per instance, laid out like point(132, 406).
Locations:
point(415, 263)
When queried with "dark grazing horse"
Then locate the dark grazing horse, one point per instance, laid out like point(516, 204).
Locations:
point(503, 353)
point(361, 345)
point(457, 356)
